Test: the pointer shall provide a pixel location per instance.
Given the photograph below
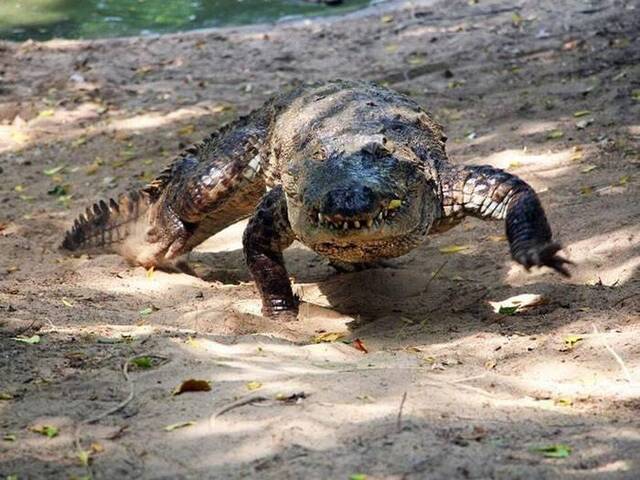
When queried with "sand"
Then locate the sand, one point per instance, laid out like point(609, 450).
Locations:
point(448, 388)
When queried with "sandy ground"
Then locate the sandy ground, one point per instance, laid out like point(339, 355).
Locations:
point(449, 388)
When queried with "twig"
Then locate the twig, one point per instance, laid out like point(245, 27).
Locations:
point(614, 354)
point(125, 402)
point(120, 406)
point(240, 403)
point(399, 420)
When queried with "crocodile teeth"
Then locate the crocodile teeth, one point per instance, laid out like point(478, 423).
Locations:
point(369, 223)
point(356, 224)
point(380, 216)
point(320, 218)
point(345, 225)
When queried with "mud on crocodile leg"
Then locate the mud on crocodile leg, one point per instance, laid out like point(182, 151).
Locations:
point(493, 194)
point(266, 236)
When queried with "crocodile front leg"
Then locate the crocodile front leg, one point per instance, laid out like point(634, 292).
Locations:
point(266, 236)
point(490, 193)
point(211, 186)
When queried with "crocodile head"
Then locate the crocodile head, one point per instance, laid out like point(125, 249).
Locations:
point(358, 199)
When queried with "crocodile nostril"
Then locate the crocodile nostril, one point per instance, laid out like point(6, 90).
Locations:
point(350, 202)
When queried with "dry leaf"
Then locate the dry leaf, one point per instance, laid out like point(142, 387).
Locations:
point(555, 134)
point(192, 385)
point(186, 130)
point(328, 337)
point(175, 426)
point(490, 364)
point(571, 340)
point(453, 248)
point(254, 385)
point(517, 303)
point(359, 345)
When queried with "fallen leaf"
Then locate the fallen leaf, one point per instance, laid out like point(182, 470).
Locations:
point(9, 437)
point(78, 141)
point(142, 362)
point(507, 310)
point(391, 48)
point(192, 385)
point(5, 396)
point(563, 402)
point(576, 154)
point(358, 476)
point(33, 340)
point(582, 124)
point(588, 168)
point(366, 398)
point(555, 134)
point(221, 108)
point(254, 385)
point(557, 450)
point(490, 364)
point(517, 303)
point(636, 95)
point(46, 113)
point(66, 302)
point(97, 447)
point(359, 345)
point(46, 430)
point(175, 426)
point(624, 180)
point(571, 340)
point(186, 130)
point(327, 337)
point(150, 272)
point(53, 171)
point(516, 19)
point(581, 113)
point(148, 310)
point(415, 59)
point(92, 168)
point(291, 398)
point(587, 190)
point(453, 248)
point(84, 456)
point(497, 238)
point(387, 19)
point(455, 84)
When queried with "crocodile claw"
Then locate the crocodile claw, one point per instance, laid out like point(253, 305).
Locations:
point(544, 255)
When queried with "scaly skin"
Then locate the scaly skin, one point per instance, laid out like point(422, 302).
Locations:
point(357, 172)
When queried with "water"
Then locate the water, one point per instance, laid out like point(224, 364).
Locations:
point(46, 19)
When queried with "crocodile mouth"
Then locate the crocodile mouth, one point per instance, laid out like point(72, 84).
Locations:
point(383, 214)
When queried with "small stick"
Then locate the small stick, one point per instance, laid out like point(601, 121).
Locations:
point(124, 403)
point(399, 420)
point(614, 354)
point(240, 403)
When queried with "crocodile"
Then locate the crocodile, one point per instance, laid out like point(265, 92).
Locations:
point(355, 171)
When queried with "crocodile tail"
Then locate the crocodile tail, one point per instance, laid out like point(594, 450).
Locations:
point(107, 225)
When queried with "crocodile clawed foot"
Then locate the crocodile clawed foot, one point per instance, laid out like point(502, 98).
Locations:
point(281, 309)
point(544, 255)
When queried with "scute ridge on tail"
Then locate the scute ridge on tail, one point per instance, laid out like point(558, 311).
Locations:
point(106, 223)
